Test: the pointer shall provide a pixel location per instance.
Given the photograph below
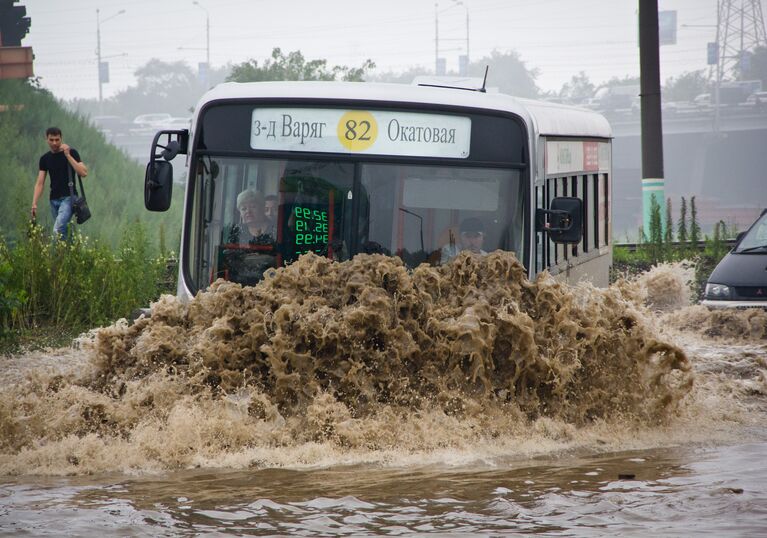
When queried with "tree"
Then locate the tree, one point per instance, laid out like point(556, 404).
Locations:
point(295, 67)
point(625, 81)
point(578, 89)
point(508, 73)
point(405, 77)
point(757, 66)
point(668, 235)
point(172, 87)
point(694, 226)
point(656, 222)
point(683, 221)
point(653, 245)
point(686, 86)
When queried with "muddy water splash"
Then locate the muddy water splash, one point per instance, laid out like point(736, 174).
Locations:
point(667, 290)
point(325, 361)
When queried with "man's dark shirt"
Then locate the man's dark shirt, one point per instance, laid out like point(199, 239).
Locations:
point(58, 169)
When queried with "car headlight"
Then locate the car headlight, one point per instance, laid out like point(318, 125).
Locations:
point(717, 291)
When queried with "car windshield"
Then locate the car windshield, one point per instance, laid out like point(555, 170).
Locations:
point(250, 215)
point(756, 237)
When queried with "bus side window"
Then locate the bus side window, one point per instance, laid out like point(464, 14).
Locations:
point(602, 185)
point(576, 190)
point(592, 212)
point(551, 247)
point(607, 205)
point(562, 249)
point(541, 238)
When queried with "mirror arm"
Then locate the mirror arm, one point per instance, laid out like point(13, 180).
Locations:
point(542, 225)
point(172, 147)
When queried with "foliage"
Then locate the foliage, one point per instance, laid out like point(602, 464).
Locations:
point(694, 226)
point(79, 283)
point(508, 73)
point(114, 185)
point(405, 77)
point(622, 81)
point(11, 298)
point(686, 86)
point(757, 66)
point(578, 89)
point(683, 221)
point(295, 67)
point(668, 234)
point(660, 246)
point(716, 247)
point(171, 87)
point(655, 244)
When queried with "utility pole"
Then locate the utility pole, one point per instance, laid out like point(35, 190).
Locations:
point(436, 38)
point(740, 29)
point(98, 53)
point(103, 69)
point(653, 182)
point(207, 42)
point(467, 35)
point(439, 67)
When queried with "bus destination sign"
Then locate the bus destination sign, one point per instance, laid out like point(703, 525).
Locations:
point(374, 132)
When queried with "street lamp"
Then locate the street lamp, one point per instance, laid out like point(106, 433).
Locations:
point(437, 11)
point(207, 40)
point(718, 80)
point(101, 70)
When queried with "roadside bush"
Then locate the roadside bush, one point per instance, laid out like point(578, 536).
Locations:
point(80, 283)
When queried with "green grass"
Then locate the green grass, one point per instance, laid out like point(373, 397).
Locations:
point(75, 285)
point(50, 291)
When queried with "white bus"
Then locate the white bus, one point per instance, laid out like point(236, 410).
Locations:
point(411, 171)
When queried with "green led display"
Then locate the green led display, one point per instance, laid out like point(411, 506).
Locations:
point(311, 227)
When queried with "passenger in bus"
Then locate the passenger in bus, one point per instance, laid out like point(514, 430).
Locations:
point(470, 237)
point(249, 248)
point(256, 226)
point(270, 209)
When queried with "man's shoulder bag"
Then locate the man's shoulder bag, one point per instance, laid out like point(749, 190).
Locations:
point(79, 205)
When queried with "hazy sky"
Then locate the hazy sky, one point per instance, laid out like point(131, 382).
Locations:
point(558, 37)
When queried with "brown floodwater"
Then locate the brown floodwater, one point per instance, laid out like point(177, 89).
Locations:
point(359, 398)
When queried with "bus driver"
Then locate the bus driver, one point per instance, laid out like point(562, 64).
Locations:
point(470, 237)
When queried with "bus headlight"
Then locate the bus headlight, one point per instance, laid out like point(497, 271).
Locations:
point(717, 291)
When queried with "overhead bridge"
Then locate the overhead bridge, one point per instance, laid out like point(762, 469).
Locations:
point(721, 161)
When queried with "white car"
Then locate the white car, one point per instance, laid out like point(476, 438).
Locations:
point(175, 124)
point(702, 100)
point(757, 99)
point(151, 120)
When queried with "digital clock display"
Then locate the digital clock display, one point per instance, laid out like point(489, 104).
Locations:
point(311, 229)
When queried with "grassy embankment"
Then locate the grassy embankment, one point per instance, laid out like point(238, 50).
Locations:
point(117, 261)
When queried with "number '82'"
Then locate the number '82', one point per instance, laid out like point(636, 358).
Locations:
point(357, 130)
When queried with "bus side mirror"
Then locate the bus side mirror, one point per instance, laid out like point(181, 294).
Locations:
point(158, 185)
point(158, 180)
point(563, 221)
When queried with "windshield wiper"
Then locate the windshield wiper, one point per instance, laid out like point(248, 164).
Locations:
point(752, 249)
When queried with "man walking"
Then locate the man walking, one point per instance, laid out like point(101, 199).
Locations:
point(57, 163)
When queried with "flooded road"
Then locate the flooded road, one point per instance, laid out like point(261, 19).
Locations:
point(458, 401)
point(683, 491)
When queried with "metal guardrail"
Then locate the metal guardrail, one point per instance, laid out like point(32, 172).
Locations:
point(632, 247)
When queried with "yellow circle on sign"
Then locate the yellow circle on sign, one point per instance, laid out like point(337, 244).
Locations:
point(357, 130)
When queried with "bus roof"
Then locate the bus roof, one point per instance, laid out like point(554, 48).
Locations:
point(548, 119)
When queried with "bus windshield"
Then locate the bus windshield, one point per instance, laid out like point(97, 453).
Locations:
point(249, 215)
